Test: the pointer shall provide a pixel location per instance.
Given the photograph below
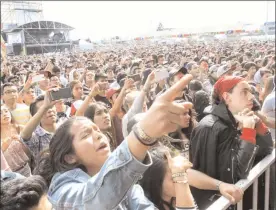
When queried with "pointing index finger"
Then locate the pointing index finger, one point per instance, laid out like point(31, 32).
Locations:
point(173, 91)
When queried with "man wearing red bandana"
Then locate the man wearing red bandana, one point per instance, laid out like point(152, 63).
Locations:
point(230, 139)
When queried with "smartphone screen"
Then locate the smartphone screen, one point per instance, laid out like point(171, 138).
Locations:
point(161, 74)
point(62, 93)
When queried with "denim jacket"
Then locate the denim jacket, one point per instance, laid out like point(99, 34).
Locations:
point(112, 188)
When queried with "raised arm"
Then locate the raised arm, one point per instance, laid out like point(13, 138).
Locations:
point(138, 103)
point(25, 88)
point(87, 100)
point(29, 128)
point(119, 100)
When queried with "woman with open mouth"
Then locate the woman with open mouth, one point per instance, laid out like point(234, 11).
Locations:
point(84, 174)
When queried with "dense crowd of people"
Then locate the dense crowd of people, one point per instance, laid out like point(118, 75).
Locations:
point(171, 126)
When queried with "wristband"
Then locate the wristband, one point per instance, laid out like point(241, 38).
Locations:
point(143, 137)
point(218, 185)
point(181, 182)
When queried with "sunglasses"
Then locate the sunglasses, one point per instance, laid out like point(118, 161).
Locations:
point(14, 81)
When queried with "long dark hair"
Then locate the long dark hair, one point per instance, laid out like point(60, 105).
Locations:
point(91, 110)
point(187, 131)
point(153, 178)
point(52, 160)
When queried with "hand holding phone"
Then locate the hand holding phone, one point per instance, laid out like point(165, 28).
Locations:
point(62, 93)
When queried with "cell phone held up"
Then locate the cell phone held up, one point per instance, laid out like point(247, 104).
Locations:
point(62, 93)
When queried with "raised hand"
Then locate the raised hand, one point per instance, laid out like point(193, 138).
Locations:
point(246, 118)
point(165, 116)
point(48, 102)
point(178, 164)
point(150, 79)
point(128, 83)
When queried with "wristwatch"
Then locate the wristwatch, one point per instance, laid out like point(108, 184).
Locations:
point(143, 137)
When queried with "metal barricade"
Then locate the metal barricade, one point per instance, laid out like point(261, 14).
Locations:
point(262, 167)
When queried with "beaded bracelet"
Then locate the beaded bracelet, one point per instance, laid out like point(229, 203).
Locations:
point(179, 174)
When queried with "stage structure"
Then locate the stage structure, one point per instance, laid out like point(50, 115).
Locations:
point(26, 32)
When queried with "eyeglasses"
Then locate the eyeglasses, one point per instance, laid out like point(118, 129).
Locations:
point(10, 91)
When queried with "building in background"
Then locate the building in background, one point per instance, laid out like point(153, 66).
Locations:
point(26, 32)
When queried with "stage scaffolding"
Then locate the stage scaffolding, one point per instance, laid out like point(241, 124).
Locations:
point(22, 25)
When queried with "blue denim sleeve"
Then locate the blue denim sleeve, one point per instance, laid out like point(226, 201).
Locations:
point(138, 201)
point(104, 191)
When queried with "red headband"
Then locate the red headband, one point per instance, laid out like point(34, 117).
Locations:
point(225, 84)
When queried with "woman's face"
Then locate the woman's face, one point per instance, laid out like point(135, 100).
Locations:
point(5, 115)
point(90, 145)
point(102, 118)
point(168, 190)
point(77, 91)
point(186, 119)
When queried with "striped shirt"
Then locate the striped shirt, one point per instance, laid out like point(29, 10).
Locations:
point(21, 114)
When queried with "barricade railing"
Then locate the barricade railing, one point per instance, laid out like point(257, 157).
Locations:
point(262, 167)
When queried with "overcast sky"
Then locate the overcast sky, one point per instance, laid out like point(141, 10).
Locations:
point(105, 19)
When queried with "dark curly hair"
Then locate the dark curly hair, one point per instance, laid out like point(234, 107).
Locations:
point(22, 193)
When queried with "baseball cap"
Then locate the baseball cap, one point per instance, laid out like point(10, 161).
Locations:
point(110, 92)
point(225, 84)
point(174, 71)
point(223, 70)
